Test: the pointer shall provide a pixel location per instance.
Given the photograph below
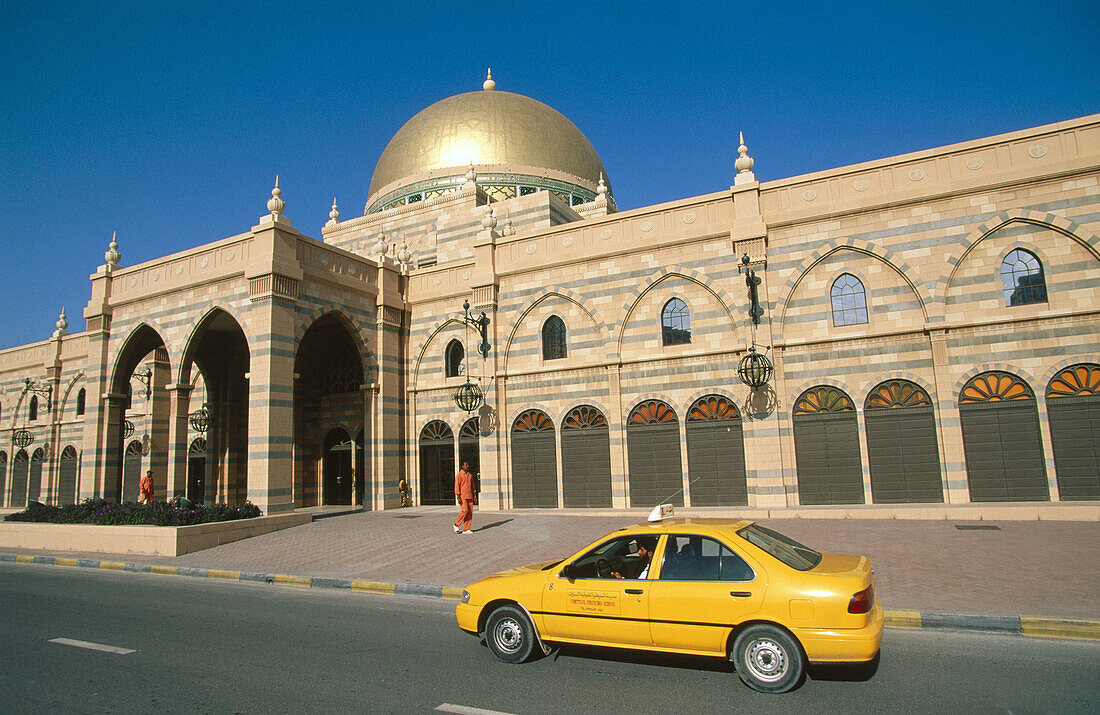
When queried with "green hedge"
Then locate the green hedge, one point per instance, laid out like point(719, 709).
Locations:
point(100, 511)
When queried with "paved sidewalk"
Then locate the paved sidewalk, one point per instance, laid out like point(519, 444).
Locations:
point(1019, 568)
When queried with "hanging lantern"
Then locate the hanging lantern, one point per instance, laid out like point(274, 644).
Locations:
point(201, 420)
point(755, 369)
point(127, 428)
point(469, 396)
point(22, 438)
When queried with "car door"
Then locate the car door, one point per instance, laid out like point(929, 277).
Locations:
point(701, 589)
point(592, 606)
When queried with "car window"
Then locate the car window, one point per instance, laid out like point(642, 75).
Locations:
point(784, 548)
point(616, 558)
point(698, 558)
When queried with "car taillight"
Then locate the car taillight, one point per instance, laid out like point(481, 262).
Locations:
point(863, 601)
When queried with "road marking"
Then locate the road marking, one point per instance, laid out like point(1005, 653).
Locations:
point(93, 646)
point(449, 708)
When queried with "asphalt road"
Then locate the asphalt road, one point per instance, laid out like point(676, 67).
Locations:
point(209, 646)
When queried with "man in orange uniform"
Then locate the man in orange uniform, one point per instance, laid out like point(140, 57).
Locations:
point(145, 488)
point(464, 495)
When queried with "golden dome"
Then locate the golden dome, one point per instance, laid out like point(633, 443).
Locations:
point(496, 132)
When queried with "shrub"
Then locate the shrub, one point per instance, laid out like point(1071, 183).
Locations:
point(176, 512)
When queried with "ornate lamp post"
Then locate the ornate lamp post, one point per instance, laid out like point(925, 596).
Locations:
point(469, 396)
point(755, 369)
point(145, 377)
point(201, 419)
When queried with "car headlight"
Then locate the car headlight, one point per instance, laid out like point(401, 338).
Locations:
point(465, 596)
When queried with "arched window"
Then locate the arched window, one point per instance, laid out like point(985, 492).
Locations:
point(676, 323)
point(33, 410)
point(1022, 277)
point(553, 338)
point(849, 301)
point(456, 359)
point(81, 398)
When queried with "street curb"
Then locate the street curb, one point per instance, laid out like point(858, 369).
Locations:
point(1024, 626)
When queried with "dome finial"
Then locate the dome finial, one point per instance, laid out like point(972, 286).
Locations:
point(112, 255)
point(601, 188)
point(744, 162)
point(275, 204)
point(471, 177)
point(62, 324)
point(333, 215)
point(488, 221)
point(378, 250)
point(489, 85)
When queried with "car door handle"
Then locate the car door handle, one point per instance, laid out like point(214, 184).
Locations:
point(634, 590)
point(741, 594)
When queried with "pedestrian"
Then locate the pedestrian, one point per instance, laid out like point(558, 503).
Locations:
point(465, 496)
point(145, 488)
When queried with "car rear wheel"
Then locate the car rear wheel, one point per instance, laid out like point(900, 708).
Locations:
point(509, 634)
point(768, 659)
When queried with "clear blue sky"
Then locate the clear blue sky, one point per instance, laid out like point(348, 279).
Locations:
point(168, 121)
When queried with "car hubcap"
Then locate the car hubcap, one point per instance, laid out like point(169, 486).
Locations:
point(508, 635)
point(766, 659)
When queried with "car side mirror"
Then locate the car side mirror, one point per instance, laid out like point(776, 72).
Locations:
point(568, 571)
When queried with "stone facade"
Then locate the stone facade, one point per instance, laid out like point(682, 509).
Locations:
point(926, 235)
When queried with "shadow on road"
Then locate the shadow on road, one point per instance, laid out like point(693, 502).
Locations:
point(662, 660)
point(850, 672)
point(495, 523)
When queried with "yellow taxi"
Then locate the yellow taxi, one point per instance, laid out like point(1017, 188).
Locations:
point(717, 587)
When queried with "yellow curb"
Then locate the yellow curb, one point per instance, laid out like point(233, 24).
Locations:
point(24, 559)
point(902, 619)
point(451, 592)
point(165, 570)
point(112, 565)
point(373, 587)
point(1052, 628)
point(292, 580)
point(64, 562)
point(229, 575)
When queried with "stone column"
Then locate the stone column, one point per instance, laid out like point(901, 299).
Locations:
point(179, 402)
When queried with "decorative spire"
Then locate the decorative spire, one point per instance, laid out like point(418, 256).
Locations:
point(489, 85)
point(379, 248)
point(275, 204)
point(334, 215)
point(744, 163)
point(471, 178)
point(62, 324)
point(601, 188)
point(489, 221)
point(112, 255)
point(507, 229)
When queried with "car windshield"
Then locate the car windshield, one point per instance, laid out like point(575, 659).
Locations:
point(784, 548)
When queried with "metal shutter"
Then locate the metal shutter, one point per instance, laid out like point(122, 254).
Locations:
point(34, 484)
point(67, 480)
point(826, 448)
point(131, 473)
point(1004, 454)
point(19, 472)
point(534, 470)
point(656, 475)
point(904, 456)
point(586, 467)
point(716, 463)
point(1075, 434)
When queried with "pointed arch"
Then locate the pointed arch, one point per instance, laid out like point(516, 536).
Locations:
point(422, 350)
point(655, 279)
point(533, 302)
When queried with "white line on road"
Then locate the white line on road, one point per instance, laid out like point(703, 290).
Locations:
point(463, 710)
point(93, 646)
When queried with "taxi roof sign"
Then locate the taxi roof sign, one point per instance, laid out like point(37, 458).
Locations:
point(660, 512)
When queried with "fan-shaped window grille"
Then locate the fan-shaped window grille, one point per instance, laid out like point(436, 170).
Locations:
point(553, 338)
point(436, 430)
point(1076, 381)
point(823, 399)
point(455, 359)
point(1022, 278)
point(533, 421)
point(584, 417)
point(995, 387)
point(849, 301)
point(469, 429)
point(676, 323)
point(897, 393)
point(713, 407)
point(652, 412)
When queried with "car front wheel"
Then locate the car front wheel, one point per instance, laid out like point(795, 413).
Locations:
point(509, 634)
point(768, 659)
